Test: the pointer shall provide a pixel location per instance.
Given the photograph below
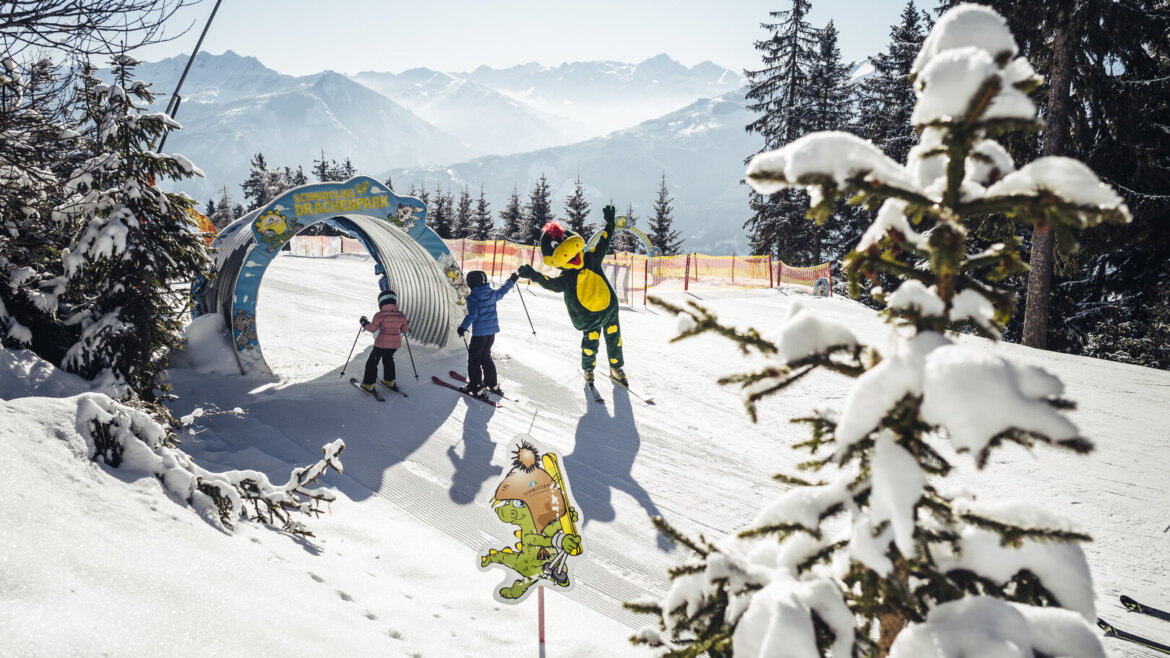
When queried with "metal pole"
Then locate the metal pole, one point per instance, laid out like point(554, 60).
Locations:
point(355, 339)
point(173, 104)
point(522, 303)
point(409, 353)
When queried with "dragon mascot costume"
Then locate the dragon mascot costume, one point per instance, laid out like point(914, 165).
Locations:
point(589, 296)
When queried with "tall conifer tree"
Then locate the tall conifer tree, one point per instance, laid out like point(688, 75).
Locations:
point(463, 215)
point(512, 228)
point(537, 212)
point(662, 234)
point(483, 224)
point(778, 92)
point(577, 209)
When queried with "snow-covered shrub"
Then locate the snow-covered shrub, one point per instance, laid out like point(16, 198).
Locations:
point(138, 439)
point(879, 556)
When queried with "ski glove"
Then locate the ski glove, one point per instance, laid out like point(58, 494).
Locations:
point(609, 212)
point(515, 275)
point(364, 321)
point(526, 271)
point(461, 331)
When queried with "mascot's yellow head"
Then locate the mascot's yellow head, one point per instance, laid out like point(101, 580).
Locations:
point(272, 221)
point(561, 247)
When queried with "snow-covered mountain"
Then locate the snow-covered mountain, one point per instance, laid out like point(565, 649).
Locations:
point(233, 108)
point(488, 121)
point(606, 96)
point(701, 149)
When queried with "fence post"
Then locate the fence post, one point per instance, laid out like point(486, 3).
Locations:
point(462, 253)
point(780, 274)
point(495, 252)
point(687, 274)
point(733, 267)
point(770, 271)
point(645, 279)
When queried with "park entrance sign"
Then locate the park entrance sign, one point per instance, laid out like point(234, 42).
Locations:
point(408, 256)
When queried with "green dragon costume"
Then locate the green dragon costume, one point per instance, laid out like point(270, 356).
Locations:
point(589, 296)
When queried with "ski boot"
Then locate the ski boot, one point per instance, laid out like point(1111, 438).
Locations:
point(588, 374)
point(368, 388)
point(476, 392)
point(390, 384)
point(619, 376)
point(494, 390)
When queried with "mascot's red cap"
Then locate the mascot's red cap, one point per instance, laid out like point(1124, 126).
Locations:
point(554, 231)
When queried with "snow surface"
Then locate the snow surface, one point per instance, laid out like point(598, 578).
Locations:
point(393, 567)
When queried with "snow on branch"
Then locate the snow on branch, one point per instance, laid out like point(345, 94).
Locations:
point(127, 438)
point(1073, 185)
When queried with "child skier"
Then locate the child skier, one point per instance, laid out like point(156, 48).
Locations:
point(481, 317)
point(390, 324)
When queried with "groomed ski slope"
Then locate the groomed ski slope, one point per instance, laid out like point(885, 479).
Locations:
point(693, 457)
point(393, 566)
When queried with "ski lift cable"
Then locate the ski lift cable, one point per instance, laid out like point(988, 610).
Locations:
point(173, 104)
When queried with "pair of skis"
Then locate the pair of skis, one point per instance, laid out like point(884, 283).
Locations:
point(373, 391)
point(592, 389)
point(460, 377)
point(1134, 606)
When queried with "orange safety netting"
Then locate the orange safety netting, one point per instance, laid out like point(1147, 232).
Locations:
point(498, 258)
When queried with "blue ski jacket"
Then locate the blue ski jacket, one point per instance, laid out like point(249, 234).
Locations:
point(481, 309)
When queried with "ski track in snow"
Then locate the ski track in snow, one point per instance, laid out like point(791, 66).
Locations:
point(694, 457)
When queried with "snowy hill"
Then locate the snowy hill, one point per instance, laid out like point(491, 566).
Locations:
point(700, 148)
point(392, 570)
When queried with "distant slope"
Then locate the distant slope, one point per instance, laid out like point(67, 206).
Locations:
point(700, 148)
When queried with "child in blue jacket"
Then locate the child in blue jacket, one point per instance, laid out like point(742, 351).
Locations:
point(485, 324)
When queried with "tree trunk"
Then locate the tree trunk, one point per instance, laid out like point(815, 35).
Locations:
point(1055, 136)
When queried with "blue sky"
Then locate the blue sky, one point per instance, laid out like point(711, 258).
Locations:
point(305, 36)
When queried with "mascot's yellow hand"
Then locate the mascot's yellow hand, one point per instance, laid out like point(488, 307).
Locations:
point(526, 271)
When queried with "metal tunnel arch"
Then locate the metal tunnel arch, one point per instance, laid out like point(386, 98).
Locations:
point(409, 257)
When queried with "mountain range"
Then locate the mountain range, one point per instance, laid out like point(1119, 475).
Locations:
point(619, 126)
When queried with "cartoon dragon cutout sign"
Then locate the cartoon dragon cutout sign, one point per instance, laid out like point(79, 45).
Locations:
point(534, 497)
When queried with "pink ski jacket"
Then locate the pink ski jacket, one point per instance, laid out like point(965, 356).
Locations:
point(390, 324)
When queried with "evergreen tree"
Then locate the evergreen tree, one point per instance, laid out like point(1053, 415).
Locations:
point(887, 96)
point(537, 212)
point(346, 171)
point(134, 241)
point(441, 216)
point(226, 211)
point(779, 92)
point(577, 210)
point(512, 216)
point(263, 184)
point(662, 234)
point(34, 144)
point(322, 168)
point(909, 554)
point(298, 177)
point(833, 102)
point(483, 224)
point(463, 215)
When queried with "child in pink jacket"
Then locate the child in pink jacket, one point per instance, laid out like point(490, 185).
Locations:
point(390, 324)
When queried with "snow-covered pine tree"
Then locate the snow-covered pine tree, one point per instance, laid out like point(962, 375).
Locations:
point(483, 224)
point(461, 226)
point(34, 141)
point(225, 209)
point(882, 556)
point(833, 100)
point(440, 216)
point(263, 184)
point(662, 233)
point(135, 241)
point(577, 210)
point(779, 93)
point(886, 96)
point(537, 212)
point(512, 218)
point(321, 168)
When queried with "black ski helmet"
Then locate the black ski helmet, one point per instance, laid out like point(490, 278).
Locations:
point(387, 297)
point(476, 278)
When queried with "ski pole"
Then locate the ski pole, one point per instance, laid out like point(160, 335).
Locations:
point(522, 303)
point(411, 354)
point(355, 338)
